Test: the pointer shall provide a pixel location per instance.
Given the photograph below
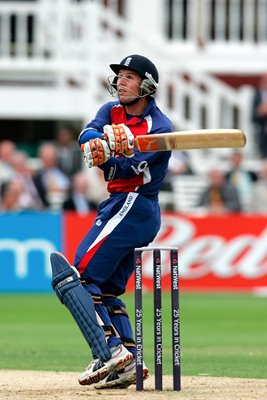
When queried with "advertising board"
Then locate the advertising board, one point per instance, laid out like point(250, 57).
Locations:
point(216, 253)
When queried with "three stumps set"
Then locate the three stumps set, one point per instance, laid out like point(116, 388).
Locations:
point(175, 310)
point(183, 140)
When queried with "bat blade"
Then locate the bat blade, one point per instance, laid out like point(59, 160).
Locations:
point(195, 139)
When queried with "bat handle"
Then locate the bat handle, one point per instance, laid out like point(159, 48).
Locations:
point(82, 145)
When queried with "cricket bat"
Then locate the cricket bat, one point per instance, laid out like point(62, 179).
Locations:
point(188, 140)
point(195, 139)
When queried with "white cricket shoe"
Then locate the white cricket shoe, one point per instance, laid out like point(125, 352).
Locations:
point(123, 378)
point(98, 370)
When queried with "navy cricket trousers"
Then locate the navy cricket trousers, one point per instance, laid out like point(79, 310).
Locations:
point(105, 255)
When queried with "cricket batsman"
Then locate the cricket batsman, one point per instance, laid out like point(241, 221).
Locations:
point(128, 218)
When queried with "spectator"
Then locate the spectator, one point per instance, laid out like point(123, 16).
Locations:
point(52, 184)
point(7, 149)
point(10, 193)
point(78, 200)
point(179, 164)
point(68, 152)
point(259, 115)
point(259, 196)
point(29, 197)
point(220, 196)
point(241, 178)
point(98, 186)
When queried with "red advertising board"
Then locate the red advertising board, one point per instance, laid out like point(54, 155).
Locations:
point(216, 253)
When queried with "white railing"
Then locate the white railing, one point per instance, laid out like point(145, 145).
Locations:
point(213, 21)
point(197, 100)
point(43, 30)
point(53, 29)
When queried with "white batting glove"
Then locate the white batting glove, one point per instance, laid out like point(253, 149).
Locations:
point(120, 139)
point(96, 152)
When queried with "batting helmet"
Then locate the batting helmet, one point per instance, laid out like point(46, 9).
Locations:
point(144, 67)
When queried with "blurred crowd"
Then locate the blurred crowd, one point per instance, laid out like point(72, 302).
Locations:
point(56, 179)
point(234, 189)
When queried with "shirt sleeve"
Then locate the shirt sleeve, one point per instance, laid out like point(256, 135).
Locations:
point(94, 128)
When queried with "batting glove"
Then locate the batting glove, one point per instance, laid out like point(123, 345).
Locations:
point(120, 139)
point(96, 152)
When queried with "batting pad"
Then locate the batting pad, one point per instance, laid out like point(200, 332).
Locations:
point(69, 290)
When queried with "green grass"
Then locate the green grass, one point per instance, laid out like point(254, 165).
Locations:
point(221, 335)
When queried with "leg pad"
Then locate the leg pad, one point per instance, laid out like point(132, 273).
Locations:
point(66, 283)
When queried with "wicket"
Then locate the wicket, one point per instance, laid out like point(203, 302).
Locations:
point(157, 316)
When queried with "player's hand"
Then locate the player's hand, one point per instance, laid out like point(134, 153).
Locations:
point(120, 139)
point(96, 152)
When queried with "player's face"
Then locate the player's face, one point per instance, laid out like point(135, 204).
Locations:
point(128, 85)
